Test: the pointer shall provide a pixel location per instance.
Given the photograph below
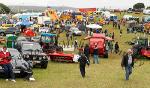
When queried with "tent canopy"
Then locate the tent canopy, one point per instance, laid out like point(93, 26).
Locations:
point(94, 26)
point(26, 23)
point(48, 34)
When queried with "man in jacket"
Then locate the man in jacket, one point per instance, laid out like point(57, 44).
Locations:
point(87, 52)
point(116, 47)
point(82, 63)
point(128, 63)
point(95, 54)
point(5, 62)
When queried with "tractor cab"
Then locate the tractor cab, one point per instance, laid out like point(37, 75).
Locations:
point(48, 42)
point(141, 47)
point(102, 43)
point(133, 26)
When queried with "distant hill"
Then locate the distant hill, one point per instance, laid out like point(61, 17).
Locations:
point(37, 8)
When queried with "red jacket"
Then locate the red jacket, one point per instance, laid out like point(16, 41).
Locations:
point(5, 59)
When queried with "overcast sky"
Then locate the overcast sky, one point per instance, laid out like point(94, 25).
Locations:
point(78, 3)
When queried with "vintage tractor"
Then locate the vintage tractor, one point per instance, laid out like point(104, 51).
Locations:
point(49, 42)
point(133, 26)
point(60, 56)
point(101, 41)
point(141, 48)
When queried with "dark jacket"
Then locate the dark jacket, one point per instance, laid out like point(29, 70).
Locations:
point(87, 51)
point(116, 46)
point(124, 61)
point(83, 60)
point(95, 52)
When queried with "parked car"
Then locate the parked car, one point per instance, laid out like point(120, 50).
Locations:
point(113, 17)
point(130, 10)
point(11, 30)
point(36, 38)
point(19, 40)
point(146, 12)
point(75, 31)
point(44, 30)
point(146, 19)
point(33, 51)
point(20, 66)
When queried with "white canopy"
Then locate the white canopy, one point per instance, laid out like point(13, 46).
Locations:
point(94, 26)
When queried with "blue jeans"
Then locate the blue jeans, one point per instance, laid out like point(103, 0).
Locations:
point(128, 70)
point(8, 71)
point(96, 59)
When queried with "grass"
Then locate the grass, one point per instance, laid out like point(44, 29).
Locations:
point(107, 74)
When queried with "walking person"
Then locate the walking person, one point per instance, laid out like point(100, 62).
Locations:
point(120, 33)
point(5, 62)
point(113, 36)
point(119, 25)
point(67, 36)
point(75, 44)
point(87, 52)
point(95, 54)
point(116, 47)
point(82, 63)
point(111, 46)
point(128, 63)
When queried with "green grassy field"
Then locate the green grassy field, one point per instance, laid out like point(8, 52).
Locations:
point(107, 74)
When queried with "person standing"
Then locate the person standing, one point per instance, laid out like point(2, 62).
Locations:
point(113, 36)
point(120, 32)
point(116, 47)
point(111, 46)
point(119, 25)
point(95, 54)
point(67, 35)
point(5, 62)
point(82, 63)
point(75, 44)
point(127, 63)
point(87, 52)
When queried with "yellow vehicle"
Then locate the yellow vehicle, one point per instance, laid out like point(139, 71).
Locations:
point(102, 21)
point(5, 26)
point(147, 27)
point(79, 17)
point(65, 16)
point(52, 14)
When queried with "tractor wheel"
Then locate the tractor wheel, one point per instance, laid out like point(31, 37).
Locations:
point(44, 65)
point(2, 34)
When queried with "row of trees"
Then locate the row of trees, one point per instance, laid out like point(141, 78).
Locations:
point(140, 6)
point(4, 9)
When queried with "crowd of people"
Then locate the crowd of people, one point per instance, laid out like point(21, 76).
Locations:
point(84, 51)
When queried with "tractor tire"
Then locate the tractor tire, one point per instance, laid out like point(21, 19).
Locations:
point(2, 34)
point(44, 64)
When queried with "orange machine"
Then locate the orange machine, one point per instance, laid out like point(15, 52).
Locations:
point(51, 13)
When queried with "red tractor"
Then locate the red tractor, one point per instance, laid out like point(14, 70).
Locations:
point(145, 52)
point(101, 41)
point(141, 49)
point(60, 56)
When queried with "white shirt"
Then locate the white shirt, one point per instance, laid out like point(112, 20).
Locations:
point(130, 59)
